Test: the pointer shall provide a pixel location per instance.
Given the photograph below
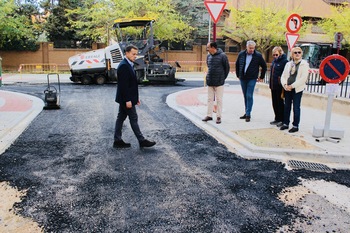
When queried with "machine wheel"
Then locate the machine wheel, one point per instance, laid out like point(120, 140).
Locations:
point(100, 79)
point(86, 79)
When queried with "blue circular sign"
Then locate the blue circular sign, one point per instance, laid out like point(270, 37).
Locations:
point(334, 68)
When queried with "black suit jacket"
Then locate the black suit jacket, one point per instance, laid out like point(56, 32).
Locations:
point(127, 89)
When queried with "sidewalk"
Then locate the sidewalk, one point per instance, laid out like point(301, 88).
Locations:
point(260, 140)
point(16, 112)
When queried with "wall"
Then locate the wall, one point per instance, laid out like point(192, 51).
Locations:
point(11, 60)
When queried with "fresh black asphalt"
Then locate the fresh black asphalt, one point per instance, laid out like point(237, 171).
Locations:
point(77, 182)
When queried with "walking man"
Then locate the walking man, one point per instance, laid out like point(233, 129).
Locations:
point(248, 64)
point(128, 97)
point(218, 70)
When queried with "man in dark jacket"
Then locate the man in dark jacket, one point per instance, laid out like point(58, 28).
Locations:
point(248, 64)
point(128, 97)
point(218, 70)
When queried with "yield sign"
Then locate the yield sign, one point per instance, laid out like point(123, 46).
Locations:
point(215, 9)
point(291, 40)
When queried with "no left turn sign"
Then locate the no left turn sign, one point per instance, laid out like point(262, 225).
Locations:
point(293, 23)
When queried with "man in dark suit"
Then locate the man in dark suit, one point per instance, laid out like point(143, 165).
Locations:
point(128, 97)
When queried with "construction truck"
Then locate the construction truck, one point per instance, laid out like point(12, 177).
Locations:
point(100, 66)
point(97, 66)
point(315, 53)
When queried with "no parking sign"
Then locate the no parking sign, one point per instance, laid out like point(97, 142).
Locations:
point(334, 68)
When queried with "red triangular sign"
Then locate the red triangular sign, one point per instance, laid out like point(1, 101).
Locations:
point(215, 9)
point(291, 40)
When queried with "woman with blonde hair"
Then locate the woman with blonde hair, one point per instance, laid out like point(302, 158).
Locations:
point(277, 67)
point(293, 81)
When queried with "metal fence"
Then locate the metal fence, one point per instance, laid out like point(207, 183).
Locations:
point(196, 66)
point(38, 68)
point(315, 84)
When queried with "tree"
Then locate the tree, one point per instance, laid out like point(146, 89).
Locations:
point(95, 18)
point(58, 28)
point(16, 29)
point(338, 22)
point(266, 25)
point(195, 12)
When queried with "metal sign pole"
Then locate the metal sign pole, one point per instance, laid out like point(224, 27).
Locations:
point(326, 136)
point(209, 34)
point(214, 32)
point(0, 71)
point(327, 122)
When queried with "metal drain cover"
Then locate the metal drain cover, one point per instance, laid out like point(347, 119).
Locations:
point(309, 166)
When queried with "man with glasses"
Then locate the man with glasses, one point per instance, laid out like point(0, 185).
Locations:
point(248, 65)
point(218, 70)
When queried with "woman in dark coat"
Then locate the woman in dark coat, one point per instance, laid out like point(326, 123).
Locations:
point(277, 67)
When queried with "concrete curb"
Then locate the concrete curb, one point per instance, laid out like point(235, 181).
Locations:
point(247, 150)
point(17, 125)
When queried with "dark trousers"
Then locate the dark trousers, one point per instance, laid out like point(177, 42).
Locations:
point(122, 114)
point(277, 104)
point(292, 98)
point(248, 86)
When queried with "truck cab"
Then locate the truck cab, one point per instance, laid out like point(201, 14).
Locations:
point(96, 66)
point(315, 53)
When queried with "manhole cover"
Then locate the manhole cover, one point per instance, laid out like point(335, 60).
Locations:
point(309, 166)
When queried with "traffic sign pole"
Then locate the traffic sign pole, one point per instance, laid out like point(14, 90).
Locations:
point(215, 9)
point(333, 70)
point(214, 32)
point(327, 122)
point(328, 134)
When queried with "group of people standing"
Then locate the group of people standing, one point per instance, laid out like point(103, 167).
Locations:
point(287, 81)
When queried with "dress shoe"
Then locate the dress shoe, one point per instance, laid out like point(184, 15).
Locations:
point(279, 124)
point(146, 143)
point(218, 120)
point(274, 122)
point(247, 118)
point(121, 144)
point(283, 127)
point(207, 118)
point(243, 117)
point(293, 130)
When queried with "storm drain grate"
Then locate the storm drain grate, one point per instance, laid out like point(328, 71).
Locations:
point(309, 166)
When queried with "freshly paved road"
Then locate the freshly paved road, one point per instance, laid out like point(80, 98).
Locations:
point(189, 182)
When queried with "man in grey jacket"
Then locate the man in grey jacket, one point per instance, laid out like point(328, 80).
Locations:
point(218, 70)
